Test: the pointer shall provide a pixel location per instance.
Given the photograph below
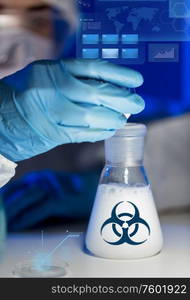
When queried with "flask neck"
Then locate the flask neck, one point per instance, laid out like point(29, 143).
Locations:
point(126, 147)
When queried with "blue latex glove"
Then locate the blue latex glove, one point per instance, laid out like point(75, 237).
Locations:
point(46, 194)
point(66, 102)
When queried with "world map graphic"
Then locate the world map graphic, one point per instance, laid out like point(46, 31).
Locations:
point(124, 16)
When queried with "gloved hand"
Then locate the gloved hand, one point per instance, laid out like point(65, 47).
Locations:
point(42, 195)
point(66, 102)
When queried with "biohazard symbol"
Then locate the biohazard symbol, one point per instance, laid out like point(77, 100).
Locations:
point(126, 232)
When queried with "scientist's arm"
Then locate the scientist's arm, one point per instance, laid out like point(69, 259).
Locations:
point(66, 102)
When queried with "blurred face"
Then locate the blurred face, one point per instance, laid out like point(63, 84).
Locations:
point(21, 4)
point(29, 31)
point(26, 34)
point(34, 14)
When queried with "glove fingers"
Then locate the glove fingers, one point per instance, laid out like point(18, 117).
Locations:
point(99, 117)
point(118, 99)
point(98, 93)
point(90, 91)
point(66, 113)
point(103, 70)
point(87, 135)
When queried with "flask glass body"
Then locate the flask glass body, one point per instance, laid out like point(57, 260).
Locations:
point(124, 223)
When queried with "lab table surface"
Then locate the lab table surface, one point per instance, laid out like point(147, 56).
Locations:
point(66, 243)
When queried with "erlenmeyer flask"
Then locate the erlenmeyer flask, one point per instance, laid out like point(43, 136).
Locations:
point(124, 223)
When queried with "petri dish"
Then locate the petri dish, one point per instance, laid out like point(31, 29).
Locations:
point(29, 270)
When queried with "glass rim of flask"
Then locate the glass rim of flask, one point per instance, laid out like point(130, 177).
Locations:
point(132, 130)
point(126, 147)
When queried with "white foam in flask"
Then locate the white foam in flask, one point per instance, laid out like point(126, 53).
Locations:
point(124, 223)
